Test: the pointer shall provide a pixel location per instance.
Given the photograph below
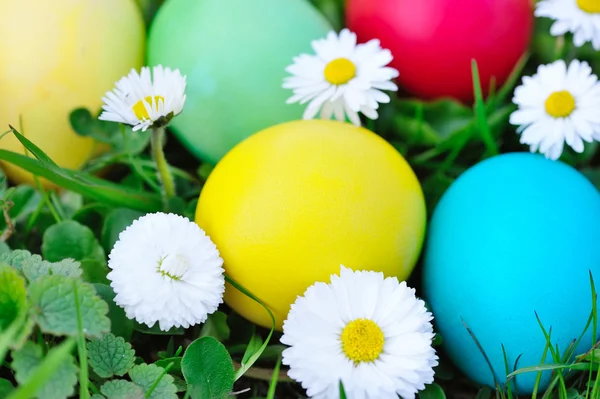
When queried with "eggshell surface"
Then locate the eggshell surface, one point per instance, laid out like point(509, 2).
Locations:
point(515, 235)
point(57, 56)
point(290, 204)
point(434, 41)
point(234, 53)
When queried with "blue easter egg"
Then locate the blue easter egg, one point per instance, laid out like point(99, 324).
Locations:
point(513, 236)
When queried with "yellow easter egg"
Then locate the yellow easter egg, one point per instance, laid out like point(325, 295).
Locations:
point(56, 56)
point(287, 206)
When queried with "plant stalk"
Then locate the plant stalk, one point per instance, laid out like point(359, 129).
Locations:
point(164, 175)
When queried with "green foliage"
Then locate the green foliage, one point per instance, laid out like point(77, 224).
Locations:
point(121, 326)
point(34, 268)
point(110, 355)
point(121, 389)
point(216, 326)
point(63, 377)
point(70, 239)
point(153, 380)
point(6, 387)
point(12, 296)
point(432, 391)
point(208, 369)
point(53, 306)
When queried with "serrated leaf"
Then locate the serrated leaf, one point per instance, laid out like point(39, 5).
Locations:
point(13, 295)
point(53, 307)
point(208, 369)
point(120, 324)
point(145, 376)
point(69, 239)
point(15, 258)
point(216, 326)
point(6, 387)
point(121, 389)
point(34, 268)
point(110, 355)
point(64, 378)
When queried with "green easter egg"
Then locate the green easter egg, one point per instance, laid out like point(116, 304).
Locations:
point(234, 53)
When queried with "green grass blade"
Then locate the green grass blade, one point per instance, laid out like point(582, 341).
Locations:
point(274, 379)
point(45, 370)
point(481, 113)
point(252, 359)
point(86, 185)
point(8, 336)
point(84, 392)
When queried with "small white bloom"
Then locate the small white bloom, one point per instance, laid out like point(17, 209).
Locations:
point(343, 78)
point(142, 101)
point(371, 333)
point(165, 269)
point(580, 17)
point(558, 105)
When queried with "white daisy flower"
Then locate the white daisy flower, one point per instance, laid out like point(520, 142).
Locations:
point(370, 333)
point(142, 101)
point(558, 105)
point(165, 269)
point(343, 78)
point(580, 17)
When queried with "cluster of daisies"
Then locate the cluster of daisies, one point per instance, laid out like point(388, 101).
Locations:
point(377, 340)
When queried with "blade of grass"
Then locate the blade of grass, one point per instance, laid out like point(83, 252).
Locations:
point(555, 355)
point(481, 114)
point(84, 380)
point(507, 385)
point(274, 379)
point(538, 378)
point(44, 371)
point(485, 356)
point(160, 377)
point(252, 359)
point(596, 389)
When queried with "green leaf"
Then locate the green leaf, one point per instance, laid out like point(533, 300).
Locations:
point(110, 355)
point(440, 120)
point(146, 375)
point(64, 373)
point(69, 239)
point(485, 392)
point(121, 389)
point(80, 182)
point(216, 326)
point(13, 295)
point(116, 135)
point(94, 271)
point(26, 199)
point(115, 223)
point(208, 369)
point(6, 387)
point(15, 258)
point(34, 268)
point(53, 306)
point(432, 391)
point(120, 324)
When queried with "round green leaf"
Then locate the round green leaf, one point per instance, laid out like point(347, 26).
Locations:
point(146, 375)
point(117, 221)
point(208, 369)
point(121, 389)
point(432, 391)
point(12, 295)
point(69, 239)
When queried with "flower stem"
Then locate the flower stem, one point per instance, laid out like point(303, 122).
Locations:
point(162, 166)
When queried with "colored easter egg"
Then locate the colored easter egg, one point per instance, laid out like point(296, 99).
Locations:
point(513, 236)
point(234, 53)
point(289, 205)
point(57, 56)
point(434, 41)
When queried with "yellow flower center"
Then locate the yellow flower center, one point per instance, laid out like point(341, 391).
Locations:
point(560, 104)
point(340, 71)
point(589, 6)
point(362, 341)
point(140, 110)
